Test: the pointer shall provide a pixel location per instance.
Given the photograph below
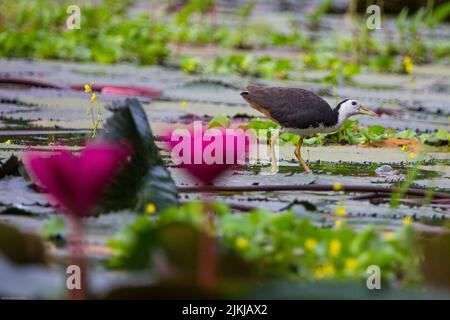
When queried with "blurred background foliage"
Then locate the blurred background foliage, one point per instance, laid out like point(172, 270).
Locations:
point(110, 33)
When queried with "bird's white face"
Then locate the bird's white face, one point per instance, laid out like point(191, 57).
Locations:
point(352, 107)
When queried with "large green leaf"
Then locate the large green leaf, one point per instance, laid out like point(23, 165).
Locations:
point(144, 179)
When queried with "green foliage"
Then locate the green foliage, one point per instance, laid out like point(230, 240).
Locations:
point(347, 133)
point(108, 34)
point(191, 65)
point(219, 121)
point(374, 133)
point(54, 227)
point(193, 7)
point(351, 133)
point(383, 63)
point(262, 124)
point(437, 15)
point(245, 11)
point(321, 9)
point(438, 138)
point(270, 127)
point(249, 65)
point(280, 245)
point(405, 134)
point(36, 29)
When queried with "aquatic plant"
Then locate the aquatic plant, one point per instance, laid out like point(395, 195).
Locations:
point(96, 119)
point(76, 184)
point(281, 245)
point(352, 133)
point(207, 154)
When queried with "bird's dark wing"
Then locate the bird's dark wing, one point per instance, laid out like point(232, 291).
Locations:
point(291, 107)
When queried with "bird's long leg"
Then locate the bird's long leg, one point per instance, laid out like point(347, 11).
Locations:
point(299, 156)
point(273, 140)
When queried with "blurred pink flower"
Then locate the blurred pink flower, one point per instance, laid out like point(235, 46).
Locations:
point(207, 154)
point(76, 183)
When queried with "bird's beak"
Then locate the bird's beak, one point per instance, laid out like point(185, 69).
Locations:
point(364, 110)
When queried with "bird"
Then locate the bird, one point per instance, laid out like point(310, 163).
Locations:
point(301, 112)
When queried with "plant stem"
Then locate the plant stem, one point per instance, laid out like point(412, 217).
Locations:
point(76, 237)
point(207, 263)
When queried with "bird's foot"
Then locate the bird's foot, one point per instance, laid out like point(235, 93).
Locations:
point(307, 170)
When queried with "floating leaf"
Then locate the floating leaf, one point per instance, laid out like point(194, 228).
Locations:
point(219, 121)
point(54, 227)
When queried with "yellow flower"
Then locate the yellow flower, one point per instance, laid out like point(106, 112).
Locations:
point(405, 147)
point(310, 244)
point(407, 221)
point(408, 65)
point(87, 88)
point(389, 237)
point(151, 208)
point(241, 243)
point(335, 248)
point(351, 264)
point(184, 104)
point(340, 211)
point(412, 155)
point(338, 223)
point(8, 142)
point(93, 96)
point(337, 186)
point(324, 271)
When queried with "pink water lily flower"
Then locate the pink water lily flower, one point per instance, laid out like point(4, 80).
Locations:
point(207, 153)
point(76, 183)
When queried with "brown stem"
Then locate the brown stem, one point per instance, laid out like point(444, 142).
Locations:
point(310, 187)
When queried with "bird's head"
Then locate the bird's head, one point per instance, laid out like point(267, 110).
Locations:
point(350, 107)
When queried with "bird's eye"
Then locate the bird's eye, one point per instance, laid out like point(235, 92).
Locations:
point(354, 103)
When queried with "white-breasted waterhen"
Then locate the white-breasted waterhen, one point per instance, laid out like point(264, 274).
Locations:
point(301, 112)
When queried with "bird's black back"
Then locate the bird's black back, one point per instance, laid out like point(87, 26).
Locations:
point(291, 107)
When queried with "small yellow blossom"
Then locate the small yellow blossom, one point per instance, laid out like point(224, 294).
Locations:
point(310, 244)
point(8, 142)
point(351, 264)
point(87, 88)
point(335, 248)
point(241, 243)
point(337, 186)
point(151, 208)
point(340, 211)
point(324, 271)
point(184, 104)
point(412, 155)
point(338, 223)
point(405, 147)
point(407, 221)
point(408, 65)
point(389, 237)
point(93, 96)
